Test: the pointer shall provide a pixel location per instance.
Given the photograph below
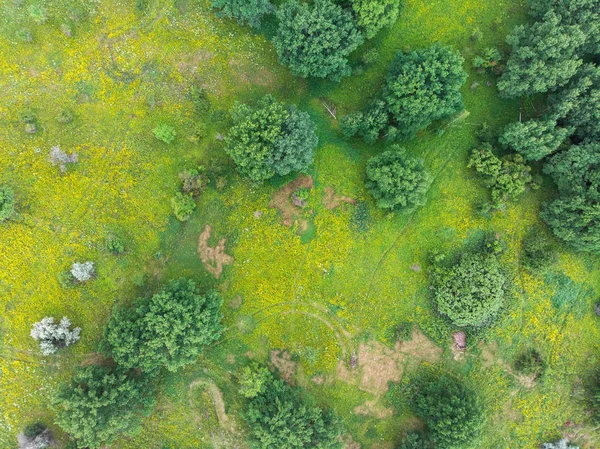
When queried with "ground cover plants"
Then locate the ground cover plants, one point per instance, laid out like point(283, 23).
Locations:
point(382, 234)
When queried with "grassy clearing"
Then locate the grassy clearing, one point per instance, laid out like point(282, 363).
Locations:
point(125, 71)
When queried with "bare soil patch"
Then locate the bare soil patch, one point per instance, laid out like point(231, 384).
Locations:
point(420, 347)
point(282, 201)
point(373, 408)
point(213, 259)
point(331, 200)
point(349, 442)
point(215, 397)
point(282, 360)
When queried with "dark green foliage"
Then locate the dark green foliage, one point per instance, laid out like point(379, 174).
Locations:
point(490, 61)
point(373, 15)
point(397, 181)
point(534, 139)
point(507, 177)
point(404, 331)
point(544, 57)
point(167, 330)
point(254, 379)
point(282, 417)
point(270, 139)
point(316, 40)
point(183, 206)
point(102, 403)
point(577, 106)
point(369, 124)
point(33, 430)
point(471, 291)
point(361, 217)
point(538, 252)
point(415, 440)
point(7, 203)
point(115, 245)
point(530, 363)
point(244, 11)
point(200, 100)
point(452, 411)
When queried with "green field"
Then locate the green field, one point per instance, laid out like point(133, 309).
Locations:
point(321, 295)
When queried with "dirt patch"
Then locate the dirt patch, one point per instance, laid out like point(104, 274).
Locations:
point(282, 360)
point(189, 63)
point(331, 200)
point(379, 365)
point(236, 302)
point(215, 397)
point(489, 354)
point(420, 347)
point(213, 259)
point(373, 408)
point(349, 442)
point(319, 379)
point(282, 201)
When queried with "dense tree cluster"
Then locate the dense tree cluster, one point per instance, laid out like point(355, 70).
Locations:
point(270, 139)
point(421, 87)
point(397, 181)
point(248, 12)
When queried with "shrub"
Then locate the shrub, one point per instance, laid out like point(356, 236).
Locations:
point(452, 411)
point(270, 139)
point(370, 56)
point(165, 133)
point(167, 330)
point(7, 203)
point(471, 291)
point(244, 11)
point(316, 40)
point(490, 61)
point(530, 363)
point(102, 403)
point(183, 206)
point(373, 15)
point(397, 181)
point(25, 35)
point(361, 216)
point(52, 337)
point(200, 100)
point(194, 180)
point(254, 380)
point(34, 429)
point(83, 272)
point(538, 252)
point(415, 440)
point(38, 13)
point(115, 245)
point(66, 116)
point(281, 417)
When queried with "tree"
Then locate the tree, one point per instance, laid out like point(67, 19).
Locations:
point(507, 177)
point(7, 203)
point(452, 411)
point(281, 417)
point(471, 291)
point(423, 86)
point(244, 11)
point(577, 171)
point(415, 440)
point(183, 206)
point(270, 139)
point(534, 139)
point(397, 181)
point(544, 57)
point(373, 15)
point(537, 251)
point(316, 40)
point(167, 330)
point(52, 336)
point(253, 380)
point(102, 403)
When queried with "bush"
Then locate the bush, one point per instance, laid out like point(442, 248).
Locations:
point(66, 116)
point(83, 272)
point(167, 330)
point(373, 15)
point(38, 13)
point(370, 56)
point(244, 11)
point(102, 403)
point(115, 245)
point(490, 61)
point(452, 412)
point(397, 181)
point(361, 216)
point(254, 380)
point(281, 417)
point(164, 133)
point(183, 206)
point(52, 337)
point(202, 103)
point(471, 291)
point(316, 40)
point(194, 181)
point(538, 252)
point(530, 363)
point(7, 203)
point(415, 440)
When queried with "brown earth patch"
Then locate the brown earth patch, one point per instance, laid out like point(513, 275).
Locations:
point(379, 365)
point(331, 200)
point(373, 408)
point(349, 442)
point(489, 354)
point(236, 302)
point(189, 63)
point(281, 200)
point(213, 259)
point(215, 397)
point(420, 347)
point(282, 360)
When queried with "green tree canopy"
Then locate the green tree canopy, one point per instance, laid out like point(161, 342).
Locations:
point(471, 291)
point(100, 404)
point(167, 330)
point(534, 139)
point(452, 412)
point(270, 139)
point(373, 15)
point(244, 11)
point(7, 203)
point(544, 57)
point(577, 171)
point(316, 40)
point(282, 417)
point(397, 181)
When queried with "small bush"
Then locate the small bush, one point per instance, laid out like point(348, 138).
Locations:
point(194, 180)
point(538, 252)
point(33, 430)
point(530, 363)
point(66, 116)
point(66, 279)
point(83, 272)
point(183, 206)
point(7, 203)
point(200, 100)
point(115, 245)
point(38, 13)
point(253, 380)
point(404, 331)
point(415, 440)
point(361, 217)
point(164, 133)
point(370, 56)
point(25, 35)
point(52, 337)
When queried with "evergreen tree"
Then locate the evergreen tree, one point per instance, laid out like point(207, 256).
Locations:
point(534, 139)
point(244, 11)
point(373, 15)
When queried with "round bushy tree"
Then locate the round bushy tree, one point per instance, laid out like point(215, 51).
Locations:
point(471, 291)
point(100, 404)
point(423, 86)
point(7, 203)
point(244, 11)
point(270, 139)
point(534, 139)
point(452, 411)
point(373, 15)
point(397, 181)
point(315, 40)
point(169, 330)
